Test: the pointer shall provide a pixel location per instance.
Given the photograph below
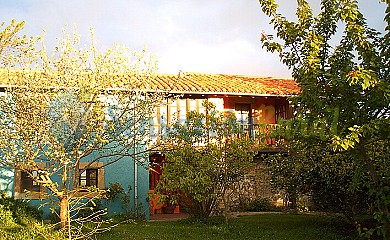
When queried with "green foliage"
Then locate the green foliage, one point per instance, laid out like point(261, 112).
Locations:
point(343, 109)
point(6, 217)
point(34, 230)
point(327, 177)
point(117, 192)
point(203, 157)
point(20, 221)
point(113, 191)
point(22, 212)
point(126, 200)
point(262, 205)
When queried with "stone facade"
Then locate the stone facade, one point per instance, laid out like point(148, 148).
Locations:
point(254, 186)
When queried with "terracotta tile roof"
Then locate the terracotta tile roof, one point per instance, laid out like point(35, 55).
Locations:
point(189, 83)
point(197, 83)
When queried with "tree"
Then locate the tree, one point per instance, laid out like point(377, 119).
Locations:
point(344, 101)
point(75, 105)
point(10, 41)
point(327, 177)
point(204, 157)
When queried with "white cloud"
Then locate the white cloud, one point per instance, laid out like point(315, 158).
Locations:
point(235, 57)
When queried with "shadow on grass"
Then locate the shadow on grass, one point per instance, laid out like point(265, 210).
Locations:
point(264, 226)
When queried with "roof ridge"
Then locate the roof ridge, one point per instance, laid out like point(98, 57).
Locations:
point(225, 74)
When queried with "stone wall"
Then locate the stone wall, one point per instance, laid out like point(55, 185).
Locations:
point(254, 186)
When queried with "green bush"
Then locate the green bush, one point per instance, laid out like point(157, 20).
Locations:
point(6, 218)
point(22, 212)
point(35, 230)
point(20, 221)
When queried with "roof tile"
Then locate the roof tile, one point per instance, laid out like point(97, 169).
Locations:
point(228, 84)
point(197, 83)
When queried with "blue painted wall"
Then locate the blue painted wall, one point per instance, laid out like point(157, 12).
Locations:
point(121, 172)
point(7, 180)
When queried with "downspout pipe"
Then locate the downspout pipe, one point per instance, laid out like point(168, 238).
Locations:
point(135, 185)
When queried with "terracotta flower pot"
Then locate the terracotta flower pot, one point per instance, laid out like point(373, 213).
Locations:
point(168, 209)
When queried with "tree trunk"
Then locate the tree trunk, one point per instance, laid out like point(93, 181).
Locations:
point(64, 212)
point(64, 202)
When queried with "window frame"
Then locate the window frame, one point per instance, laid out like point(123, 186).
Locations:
point(27, 183)
point(241, 109)
point(89, 175)
point(20, 192)
point(93, 166)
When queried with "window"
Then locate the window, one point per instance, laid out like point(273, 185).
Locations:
point(25, 187)
point(243, 113)
point(93, 175)
point(280, 109)
point(28, 183)
point(89, 178)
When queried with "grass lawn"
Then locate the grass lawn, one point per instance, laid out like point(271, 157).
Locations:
point(264, 226)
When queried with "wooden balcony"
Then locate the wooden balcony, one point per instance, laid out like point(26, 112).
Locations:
point(262, 134)
point(265, 140)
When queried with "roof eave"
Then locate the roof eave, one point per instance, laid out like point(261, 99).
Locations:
point(192, 93)
point(233, 94)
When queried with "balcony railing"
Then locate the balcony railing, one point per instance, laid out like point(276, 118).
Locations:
point(262, 133)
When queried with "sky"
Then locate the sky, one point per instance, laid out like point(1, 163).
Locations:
point(205, 36)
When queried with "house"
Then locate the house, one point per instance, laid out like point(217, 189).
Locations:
point(255, 100)
point(258, 102)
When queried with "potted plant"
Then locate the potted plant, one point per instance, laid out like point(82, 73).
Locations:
point(169, 199)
